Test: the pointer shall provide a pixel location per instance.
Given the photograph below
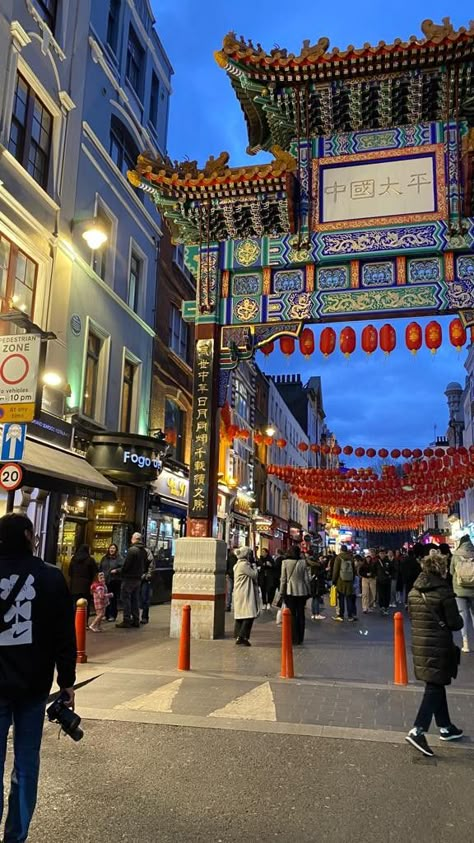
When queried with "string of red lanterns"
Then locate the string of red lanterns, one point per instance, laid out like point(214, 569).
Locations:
point(371, 339)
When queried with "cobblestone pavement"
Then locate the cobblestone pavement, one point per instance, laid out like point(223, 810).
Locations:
point(343, 681)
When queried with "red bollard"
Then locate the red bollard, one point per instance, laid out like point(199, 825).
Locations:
point(287, 669)
point(399, 651)
point(81, 623)
point(184, 655)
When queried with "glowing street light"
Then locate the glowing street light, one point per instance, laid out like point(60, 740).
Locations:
point(95, 235)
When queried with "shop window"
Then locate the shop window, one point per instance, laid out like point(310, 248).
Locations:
point(94, 346)
point(48, 10)
point(99, 256)
point(135, 61)
point(31, 132)
point(134, 281)
point(128, 383)
point(18, 275)
point(175, 429)
point(123, 149)
point(178, 333)
point(113, 24)
point(154, 99)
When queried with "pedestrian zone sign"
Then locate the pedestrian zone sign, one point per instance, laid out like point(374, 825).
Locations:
point(12, 442)
point(19, 364)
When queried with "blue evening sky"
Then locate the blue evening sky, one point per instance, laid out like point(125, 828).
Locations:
point(368, 401)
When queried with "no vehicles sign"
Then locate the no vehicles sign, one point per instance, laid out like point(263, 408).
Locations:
point(19, 364)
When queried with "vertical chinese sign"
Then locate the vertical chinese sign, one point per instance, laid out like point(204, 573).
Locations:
point(202, 438)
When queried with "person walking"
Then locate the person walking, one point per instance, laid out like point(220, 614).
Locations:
point(82, 573)
point(411, 569)
point(384, 581)
point(295, 588)
point(245, 595)
point(343, 574)
point(368, 575)
point(394, 577)
point(111, 565)
point(229, 578)
point(101, 599)
point(317, 570)
point(36, 638)
point(462, 571)
point(266, 579)
point(133, 568)
point(146, 585)
point(434, 616)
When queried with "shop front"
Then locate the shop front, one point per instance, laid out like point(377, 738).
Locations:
point(241, 534)
point(167, 513)
point(263, 532)
point(133, 463)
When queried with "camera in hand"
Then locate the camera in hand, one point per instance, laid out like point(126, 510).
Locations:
point(58, 712)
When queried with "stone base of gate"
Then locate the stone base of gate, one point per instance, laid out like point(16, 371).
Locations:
point(199, 580)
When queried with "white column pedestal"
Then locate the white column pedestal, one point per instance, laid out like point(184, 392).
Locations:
point(199, 580)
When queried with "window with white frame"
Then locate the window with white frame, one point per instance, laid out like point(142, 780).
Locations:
point(178, 334)
point(134, 280)
point(100, 257)
point(242, 400)
point(129, 378)
point(48, 10)
point(18, 274)
point(135, 61)
point(31, 132)
point(95, 373)
point(113, 21)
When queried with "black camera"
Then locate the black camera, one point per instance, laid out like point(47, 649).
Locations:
point(58, 712)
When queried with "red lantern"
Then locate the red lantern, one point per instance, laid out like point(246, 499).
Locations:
point(268, 441)
point(244, 434)
point(232, 431)
point(303, 446)
point(369, 339)
point(287, 345)
point(371, 452)
point(433, 336)
point(314, 448)
point(348, 449)
point(307, 342)
point(388, 338)
point(327, 341)
point(428, 452)
point(347, 341)
point(359, 452)
point(267, 348)
point(417, 453)
point(383, 453)
point(413, 337)
point(395, 454)
point(281, 443)
point(258, 438)
point(407, 453)
point(457, 334)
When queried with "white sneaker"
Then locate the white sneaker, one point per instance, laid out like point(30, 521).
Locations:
point(465, 646)
point(320, 617)
point(313, 617)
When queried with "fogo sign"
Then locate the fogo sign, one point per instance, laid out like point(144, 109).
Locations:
point(19, 364)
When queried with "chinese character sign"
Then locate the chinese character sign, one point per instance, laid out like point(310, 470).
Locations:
point(382, 188)
point(201, 429)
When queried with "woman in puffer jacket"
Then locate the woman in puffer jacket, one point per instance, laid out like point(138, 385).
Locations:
point(434, 616)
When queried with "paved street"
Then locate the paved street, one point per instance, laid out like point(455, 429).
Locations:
point(132, 782)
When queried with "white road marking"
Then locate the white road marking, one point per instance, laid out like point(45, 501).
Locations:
point(159, 700)
point(255, 705)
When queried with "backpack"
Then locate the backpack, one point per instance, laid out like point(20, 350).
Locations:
point(346, 572)
point(465, 572)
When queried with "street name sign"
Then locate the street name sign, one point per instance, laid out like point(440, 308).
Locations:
point(12, 442)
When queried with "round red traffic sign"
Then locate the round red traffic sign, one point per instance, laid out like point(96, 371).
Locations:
point(11, 476)
point(14, 369)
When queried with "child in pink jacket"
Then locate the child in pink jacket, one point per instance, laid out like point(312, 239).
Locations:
point(101, 601)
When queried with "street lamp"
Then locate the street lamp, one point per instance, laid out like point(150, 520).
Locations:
point(270, 430)
point(94, 234)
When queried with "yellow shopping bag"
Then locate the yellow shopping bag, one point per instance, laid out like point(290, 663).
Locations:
point(333, 596)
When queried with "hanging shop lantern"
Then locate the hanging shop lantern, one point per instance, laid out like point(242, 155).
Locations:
point(433, 336)
point(395, 454)
point(258, 438)
point(232, 431)
point(388, 338)
point(267, 348)
point(307, 342)
point(457, 334)
point(417, 453)
point(369, 339)
point(314, 448)
point(303, 446)
point(407, 453)
point(268, 441)
point(287, 345)
point(348, 449)
point(383, 453)
point(359, 452)
point(413, 337)
point(347, 341)
point(327, 341)
point(371, 452)
point(281, 443)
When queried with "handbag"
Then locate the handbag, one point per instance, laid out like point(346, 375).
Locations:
point(456, 651)
point(333, 596)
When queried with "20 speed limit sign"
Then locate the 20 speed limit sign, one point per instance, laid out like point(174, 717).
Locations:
point(11, 476)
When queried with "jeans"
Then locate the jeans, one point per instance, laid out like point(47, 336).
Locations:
point(297, 606)
point(434, 703)
point(130, 598)
point(243, 628)
point(466, 608)
point(28, 719)
point(112, 609)
point(351, 604)
point(145, 599)
point(316, 605)
point(383, 588)
point(229, 588)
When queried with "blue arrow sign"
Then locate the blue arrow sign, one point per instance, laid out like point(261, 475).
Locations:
point(12, 442)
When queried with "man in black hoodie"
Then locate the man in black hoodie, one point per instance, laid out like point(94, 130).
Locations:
point(36, 636)
point(135, 565)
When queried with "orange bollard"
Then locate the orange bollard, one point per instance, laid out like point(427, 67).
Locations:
point(399, 651)
point(81, 623)
point(184, 655)
point(287, 669)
